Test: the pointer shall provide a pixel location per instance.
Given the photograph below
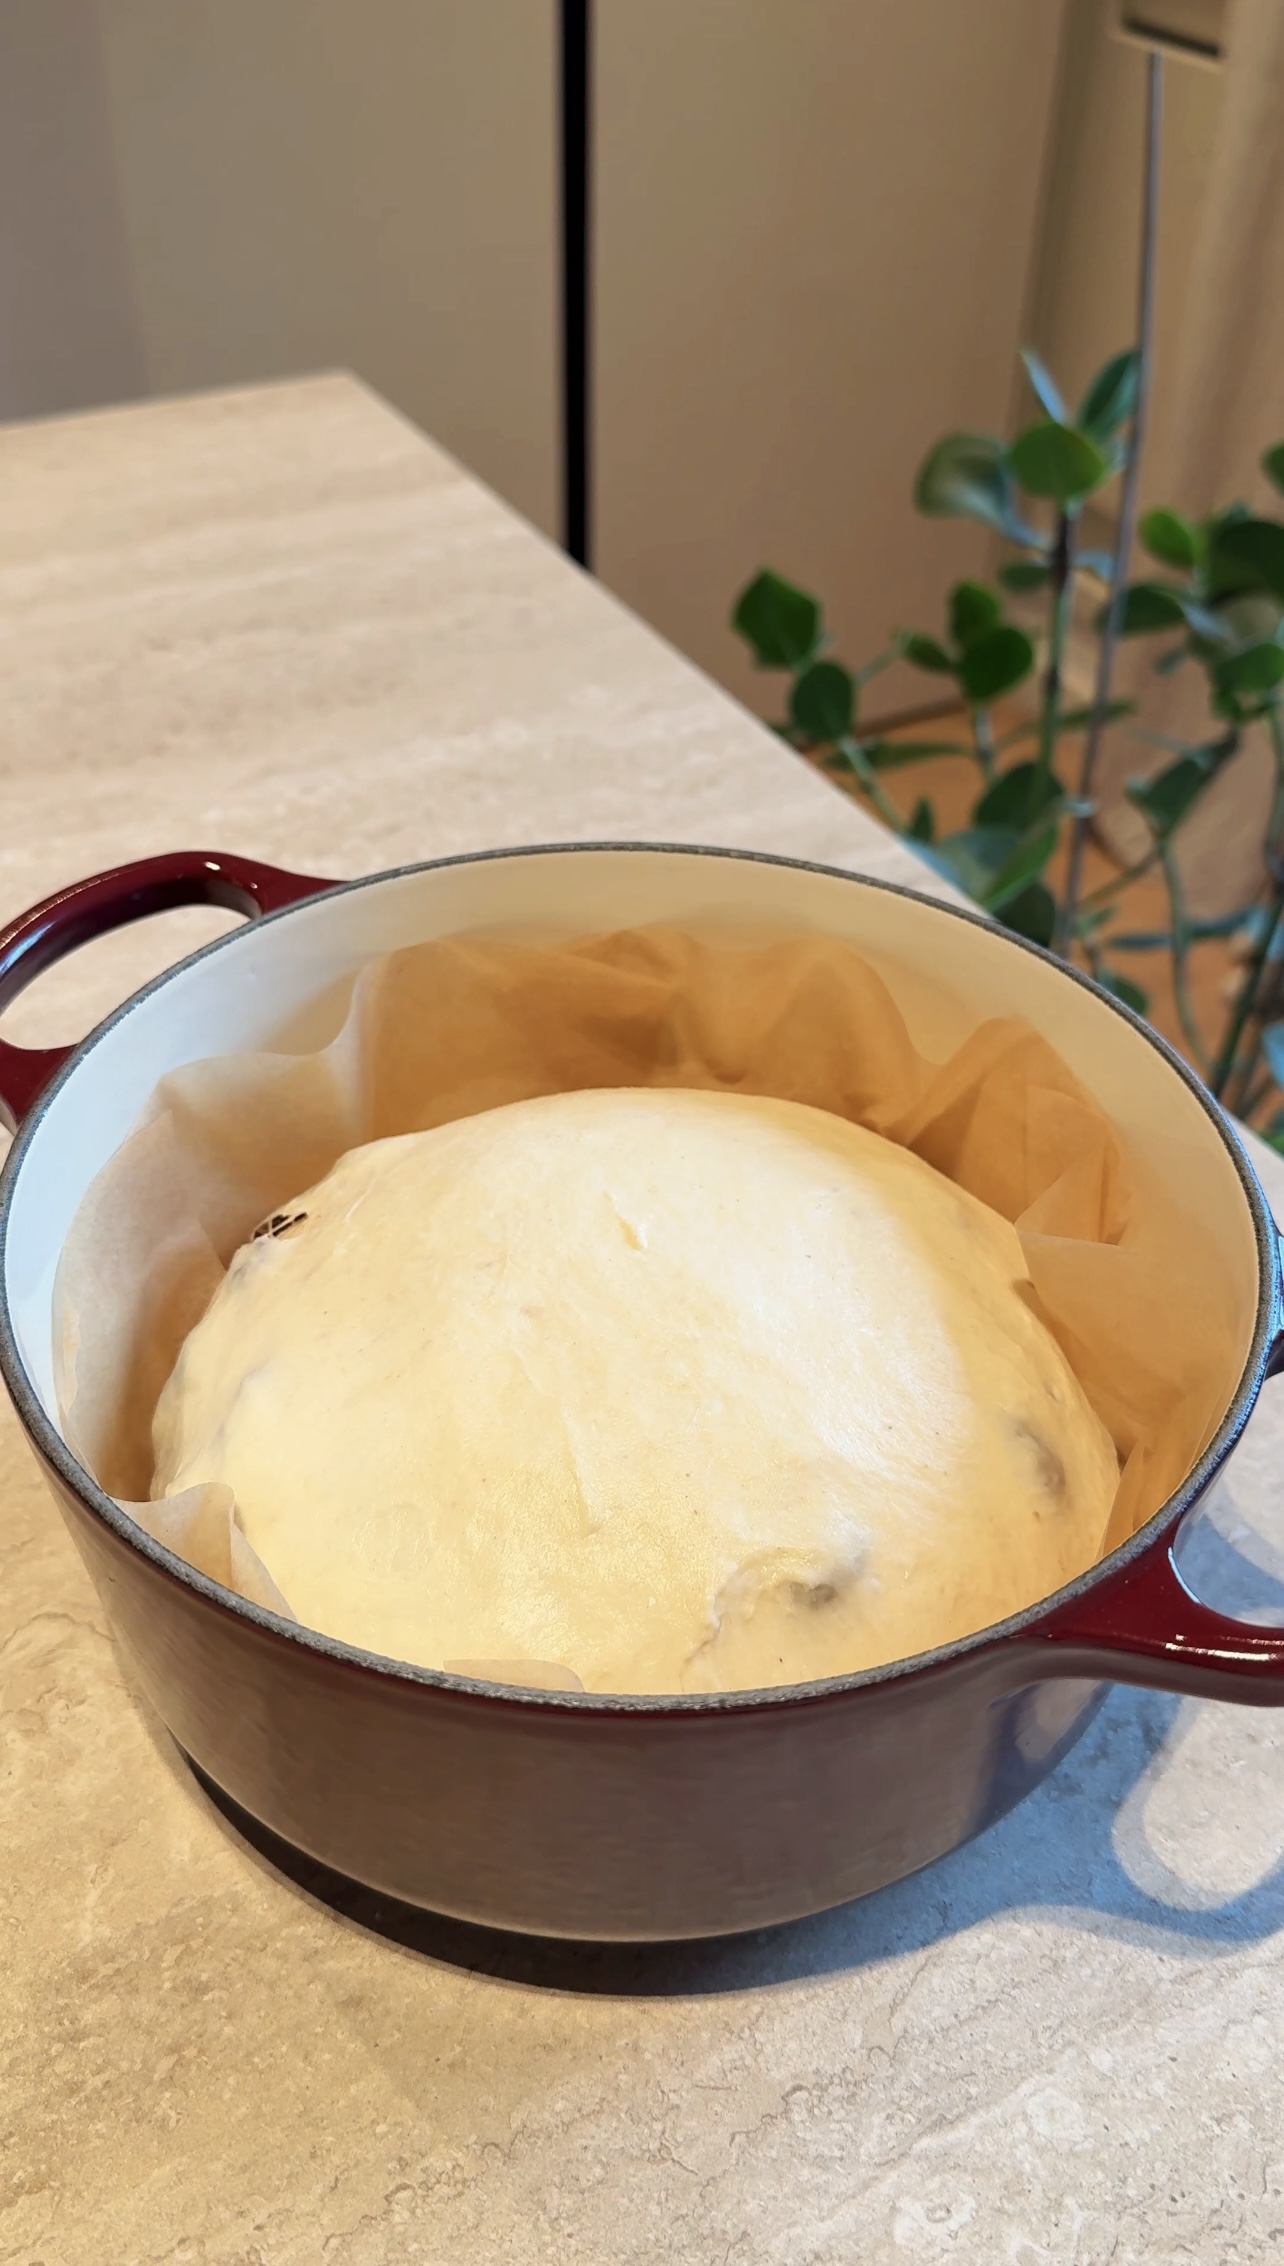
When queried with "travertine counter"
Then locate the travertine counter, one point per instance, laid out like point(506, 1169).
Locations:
point(280, 622)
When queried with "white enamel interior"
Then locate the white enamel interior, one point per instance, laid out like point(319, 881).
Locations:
point(284, 983)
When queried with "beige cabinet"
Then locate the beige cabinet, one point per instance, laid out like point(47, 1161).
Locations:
point(210, 191)
point(813, 231)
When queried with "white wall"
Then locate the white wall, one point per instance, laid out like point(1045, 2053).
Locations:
point(1085, 292)
point(816, 223)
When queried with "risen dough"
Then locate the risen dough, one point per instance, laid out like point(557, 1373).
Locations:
point(681, 1391)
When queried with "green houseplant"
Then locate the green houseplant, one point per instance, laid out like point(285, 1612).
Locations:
point(1212, 598)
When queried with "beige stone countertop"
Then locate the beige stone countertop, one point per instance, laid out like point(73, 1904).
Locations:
point(279, 621)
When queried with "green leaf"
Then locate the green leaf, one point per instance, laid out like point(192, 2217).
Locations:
point(995, 662)
point(1018, 797)
point(1045, 385)
point(1054, 460)
point(1256, 668)
point(1032, 912)
point(1143, 940)
point(932, 854)
point(1024, 574)
point(1111, 398)
point(995, 863)
point(1273, 1049)
point(1169, 538)
point(1098, 563)
point(1251, 617)
point(1171, 795)
point(780, 623)
point(1223, 576)
point(966, 477)
point(1147, 606)
point(1248, 554)
point(823, 701)
point(1273, 465)
point(1123, 987)
point(925, 653)
point(922, 825)
point(1209, 630)
point(974, 856)
point(1025, 864)
point(973, 610)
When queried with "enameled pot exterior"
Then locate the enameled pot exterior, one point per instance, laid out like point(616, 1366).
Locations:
point(562, 1814)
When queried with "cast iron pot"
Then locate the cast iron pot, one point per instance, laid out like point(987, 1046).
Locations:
point(580, 1815)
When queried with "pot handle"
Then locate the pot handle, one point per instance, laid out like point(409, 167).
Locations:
point(1147, 1627)
point(74, 916)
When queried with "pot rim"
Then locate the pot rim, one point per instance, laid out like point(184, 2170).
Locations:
point(1030, 1623)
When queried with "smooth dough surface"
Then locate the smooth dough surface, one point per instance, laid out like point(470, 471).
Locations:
point(678, 1391)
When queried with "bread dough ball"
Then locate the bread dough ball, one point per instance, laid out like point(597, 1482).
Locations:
point(665, 1391)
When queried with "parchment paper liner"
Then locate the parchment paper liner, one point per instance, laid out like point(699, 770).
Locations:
point(440, 1030)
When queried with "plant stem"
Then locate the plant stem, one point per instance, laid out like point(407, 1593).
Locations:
point(1275, 824)
point(1062, 591)
point(1246, 999)
point(1127, 501)
point(1181, 946)
point(983, 739)
point(1106, 890)
point(868, 781)
point(881, 661)
point(1253, 1100)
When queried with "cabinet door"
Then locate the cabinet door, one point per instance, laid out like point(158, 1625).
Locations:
point(814, 222)
point(227, 190)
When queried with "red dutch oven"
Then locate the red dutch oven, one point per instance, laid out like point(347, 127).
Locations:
point(588, 1815)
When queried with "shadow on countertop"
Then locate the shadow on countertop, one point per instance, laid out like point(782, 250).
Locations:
point(1056, 1856)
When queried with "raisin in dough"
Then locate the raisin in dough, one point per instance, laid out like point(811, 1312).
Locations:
point(676, 1391)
